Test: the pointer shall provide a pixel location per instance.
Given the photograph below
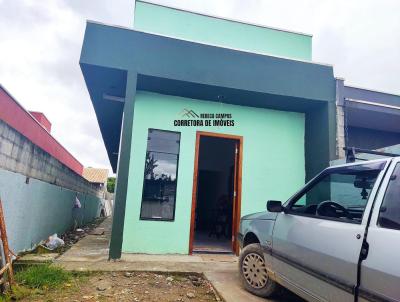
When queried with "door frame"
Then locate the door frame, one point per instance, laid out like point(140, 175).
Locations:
point(237, 200)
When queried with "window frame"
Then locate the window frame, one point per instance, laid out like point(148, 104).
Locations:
point(379, 166)
point(380, 205)
point(176, 178)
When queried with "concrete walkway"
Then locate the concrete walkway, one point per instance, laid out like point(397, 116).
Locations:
point(91, 254)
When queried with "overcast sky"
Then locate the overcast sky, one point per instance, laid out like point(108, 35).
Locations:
point(40, 42)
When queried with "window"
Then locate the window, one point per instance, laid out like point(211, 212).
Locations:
point(339, 193)
point(389, 213)
point(160, 175)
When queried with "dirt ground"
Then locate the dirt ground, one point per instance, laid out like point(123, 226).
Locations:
point(132, 287)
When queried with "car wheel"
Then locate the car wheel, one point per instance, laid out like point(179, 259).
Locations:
point(253, 272)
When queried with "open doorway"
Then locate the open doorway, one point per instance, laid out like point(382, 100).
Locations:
point(215, 208)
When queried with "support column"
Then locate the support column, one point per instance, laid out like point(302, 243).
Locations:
point(123, 168)
point(340, 119)
point(320, 137)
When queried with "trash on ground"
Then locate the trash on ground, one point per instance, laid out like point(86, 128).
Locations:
point(54, 242)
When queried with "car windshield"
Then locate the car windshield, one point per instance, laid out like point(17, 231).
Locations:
point(339, 193)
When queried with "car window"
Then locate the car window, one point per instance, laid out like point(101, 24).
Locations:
point(389, 213)
point(337, 194)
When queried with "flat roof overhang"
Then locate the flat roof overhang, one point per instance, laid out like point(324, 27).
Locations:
point(372, 109)
point(194, 70)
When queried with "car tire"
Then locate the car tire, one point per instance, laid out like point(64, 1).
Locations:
point(253, 272)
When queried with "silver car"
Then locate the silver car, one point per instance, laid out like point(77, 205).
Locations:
point(337, 239)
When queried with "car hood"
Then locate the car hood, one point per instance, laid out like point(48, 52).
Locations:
point(261, 215)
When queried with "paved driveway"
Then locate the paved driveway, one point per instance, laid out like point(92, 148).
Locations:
point(91, 253)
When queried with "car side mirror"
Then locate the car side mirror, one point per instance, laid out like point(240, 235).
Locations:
point(275, 206)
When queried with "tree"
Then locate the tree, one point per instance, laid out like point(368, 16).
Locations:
point(111, 184)
point(150, 165)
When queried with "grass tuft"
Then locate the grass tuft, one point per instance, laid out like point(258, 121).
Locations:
point(18, 293)
point(43, 277)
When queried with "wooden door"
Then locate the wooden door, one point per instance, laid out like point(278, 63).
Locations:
point(236, 207)
point(237, 186)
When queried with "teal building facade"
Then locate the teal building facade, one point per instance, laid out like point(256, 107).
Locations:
point(204, 119)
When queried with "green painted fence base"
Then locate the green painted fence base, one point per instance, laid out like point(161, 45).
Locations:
point(35, 209)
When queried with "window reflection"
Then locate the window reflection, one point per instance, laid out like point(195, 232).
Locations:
point(389, 213)
point(159, 188)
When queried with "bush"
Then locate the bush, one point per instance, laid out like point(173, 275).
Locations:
point(111, 184)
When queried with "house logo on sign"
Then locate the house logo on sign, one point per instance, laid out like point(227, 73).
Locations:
point(189, 113)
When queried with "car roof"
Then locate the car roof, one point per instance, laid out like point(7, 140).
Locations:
point(359, 163)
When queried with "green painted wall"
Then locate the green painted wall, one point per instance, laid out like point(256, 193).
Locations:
point(273, 164)
point(37, 209)
point(205, 29)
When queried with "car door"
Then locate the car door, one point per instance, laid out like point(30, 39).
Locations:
point(380, 271)
point(317, 240)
